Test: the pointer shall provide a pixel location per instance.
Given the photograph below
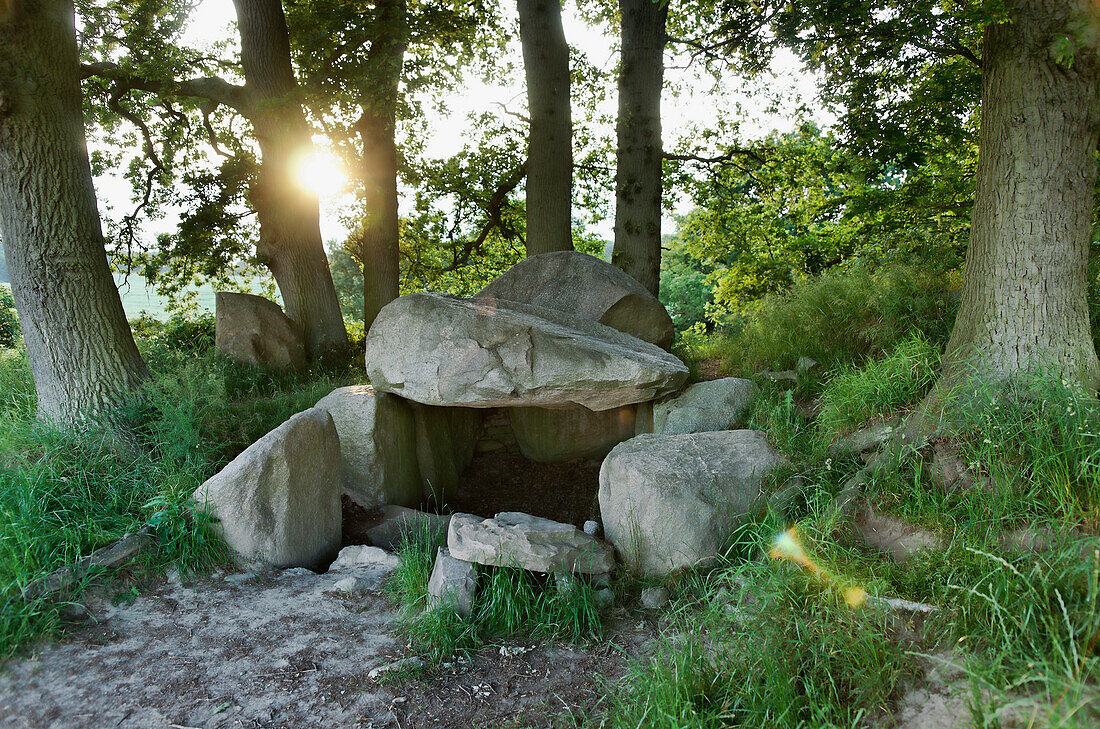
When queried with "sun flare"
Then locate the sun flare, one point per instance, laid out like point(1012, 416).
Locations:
point(320, 173)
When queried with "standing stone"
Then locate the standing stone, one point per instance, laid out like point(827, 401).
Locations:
point(377, 446)
point(548, 436)
point(251, 329)
point(278, 502)
point(706, 406)
point(515, 539)
point(670, 502)
point(586, 286)
point(445, 440)
point(442, 350)
point(453, 584)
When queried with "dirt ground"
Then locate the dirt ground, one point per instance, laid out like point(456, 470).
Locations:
point(287, 651)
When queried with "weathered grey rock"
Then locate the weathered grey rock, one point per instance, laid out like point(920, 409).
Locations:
point(252, 329)
point(805, 365)
point(441, 350)
point(548, 436)
point(377, 446)
point(521, 540)
point(445, 442)
point(586, 286)
point(61, 581)
point(361, 557)
point(654, 598)
point(670, 502)
point(409, 663)
point(591, 528)
point(278, 502)
point(453, 583)
point(893, 536)
point(866, 439)
point(605, 598)
point(398, 524)
point(706, 406)
point(783, 499)
point(351, 583)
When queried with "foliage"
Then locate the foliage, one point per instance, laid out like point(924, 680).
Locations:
point(685, 290)
point(9, 319)
point(853, 396)
point(845, 316)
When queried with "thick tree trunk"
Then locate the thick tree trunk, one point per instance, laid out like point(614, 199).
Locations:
point(638, 172)
point(550, 141)
point(81, 351)
point(1024, 307)
point(380, 252)
point(290, 235)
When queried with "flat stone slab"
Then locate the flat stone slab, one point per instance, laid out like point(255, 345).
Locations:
point(399, 524)
point(515, 539)
point(442, 350)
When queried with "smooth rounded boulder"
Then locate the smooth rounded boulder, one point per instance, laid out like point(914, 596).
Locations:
point(442, 350)
point(671, 502)
point(251, 329)
point(706, 406)
point(278, 502)
point(589, 287)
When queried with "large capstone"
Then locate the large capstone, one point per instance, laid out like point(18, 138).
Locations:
point(278, 502)
point(515, 539)
point(706, 406)
point(670, 502)
point(586, 286)
point(253, 330)
point(548, 436)
point(443, 350)
point(377, 446)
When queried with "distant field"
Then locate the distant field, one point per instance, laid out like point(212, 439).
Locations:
point(135, 294)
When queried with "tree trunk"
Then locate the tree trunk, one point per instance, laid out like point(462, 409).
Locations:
point(637, 248)
point(1024, 307)
point(550, 141)
point(380, 252)
point(79, 345)
point(290, 235)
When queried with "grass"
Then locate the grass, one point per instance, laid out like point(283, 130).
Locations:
point(65, 493)
point(510, 601)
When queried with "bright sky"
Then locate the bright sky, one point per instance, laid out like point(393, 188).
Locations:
point(763, 106)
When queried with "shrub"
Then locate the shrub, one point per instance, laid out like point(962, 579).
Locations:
point(9, 319)
point(845, 316)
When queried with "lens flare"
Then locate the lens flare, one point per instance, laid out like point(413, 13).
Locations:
point(320, 173)
point(787, 545)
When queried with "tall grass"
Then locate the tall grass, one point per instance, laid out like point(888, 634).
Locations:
point(509, 601)
point(845, 316)
point(64, 493)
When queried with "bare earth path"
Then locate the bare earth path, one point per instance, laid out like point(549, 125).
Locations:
point(286, 650)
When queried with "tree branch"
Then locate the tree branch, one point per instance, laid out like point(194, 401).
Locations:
point(494, 207)
point(209, 88)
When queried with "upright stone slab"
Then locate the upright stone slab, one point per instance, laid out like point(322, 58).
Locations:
point(706, 406)
point(399, 524)
point(278, 502)
point(453, 584)
point(515, 539)
point(377, 446)
point(670, 502)
point(442, 350)
point(547, 436)
point(251, 329)
point(445, 440)
point(580, 284)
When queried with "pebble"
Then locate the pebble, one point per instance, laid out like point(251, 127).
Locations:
point(591, 528)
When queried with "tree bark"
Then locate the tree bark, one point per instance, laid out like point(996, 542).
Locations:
point(637, 248)
point(79, 345)
point(290, 235)
point(1024, 308)
point(550, 140)
point(380, 251)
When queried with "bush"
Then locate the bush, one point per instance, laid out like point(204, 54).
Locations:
point(845, 316)
point(9, 319)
